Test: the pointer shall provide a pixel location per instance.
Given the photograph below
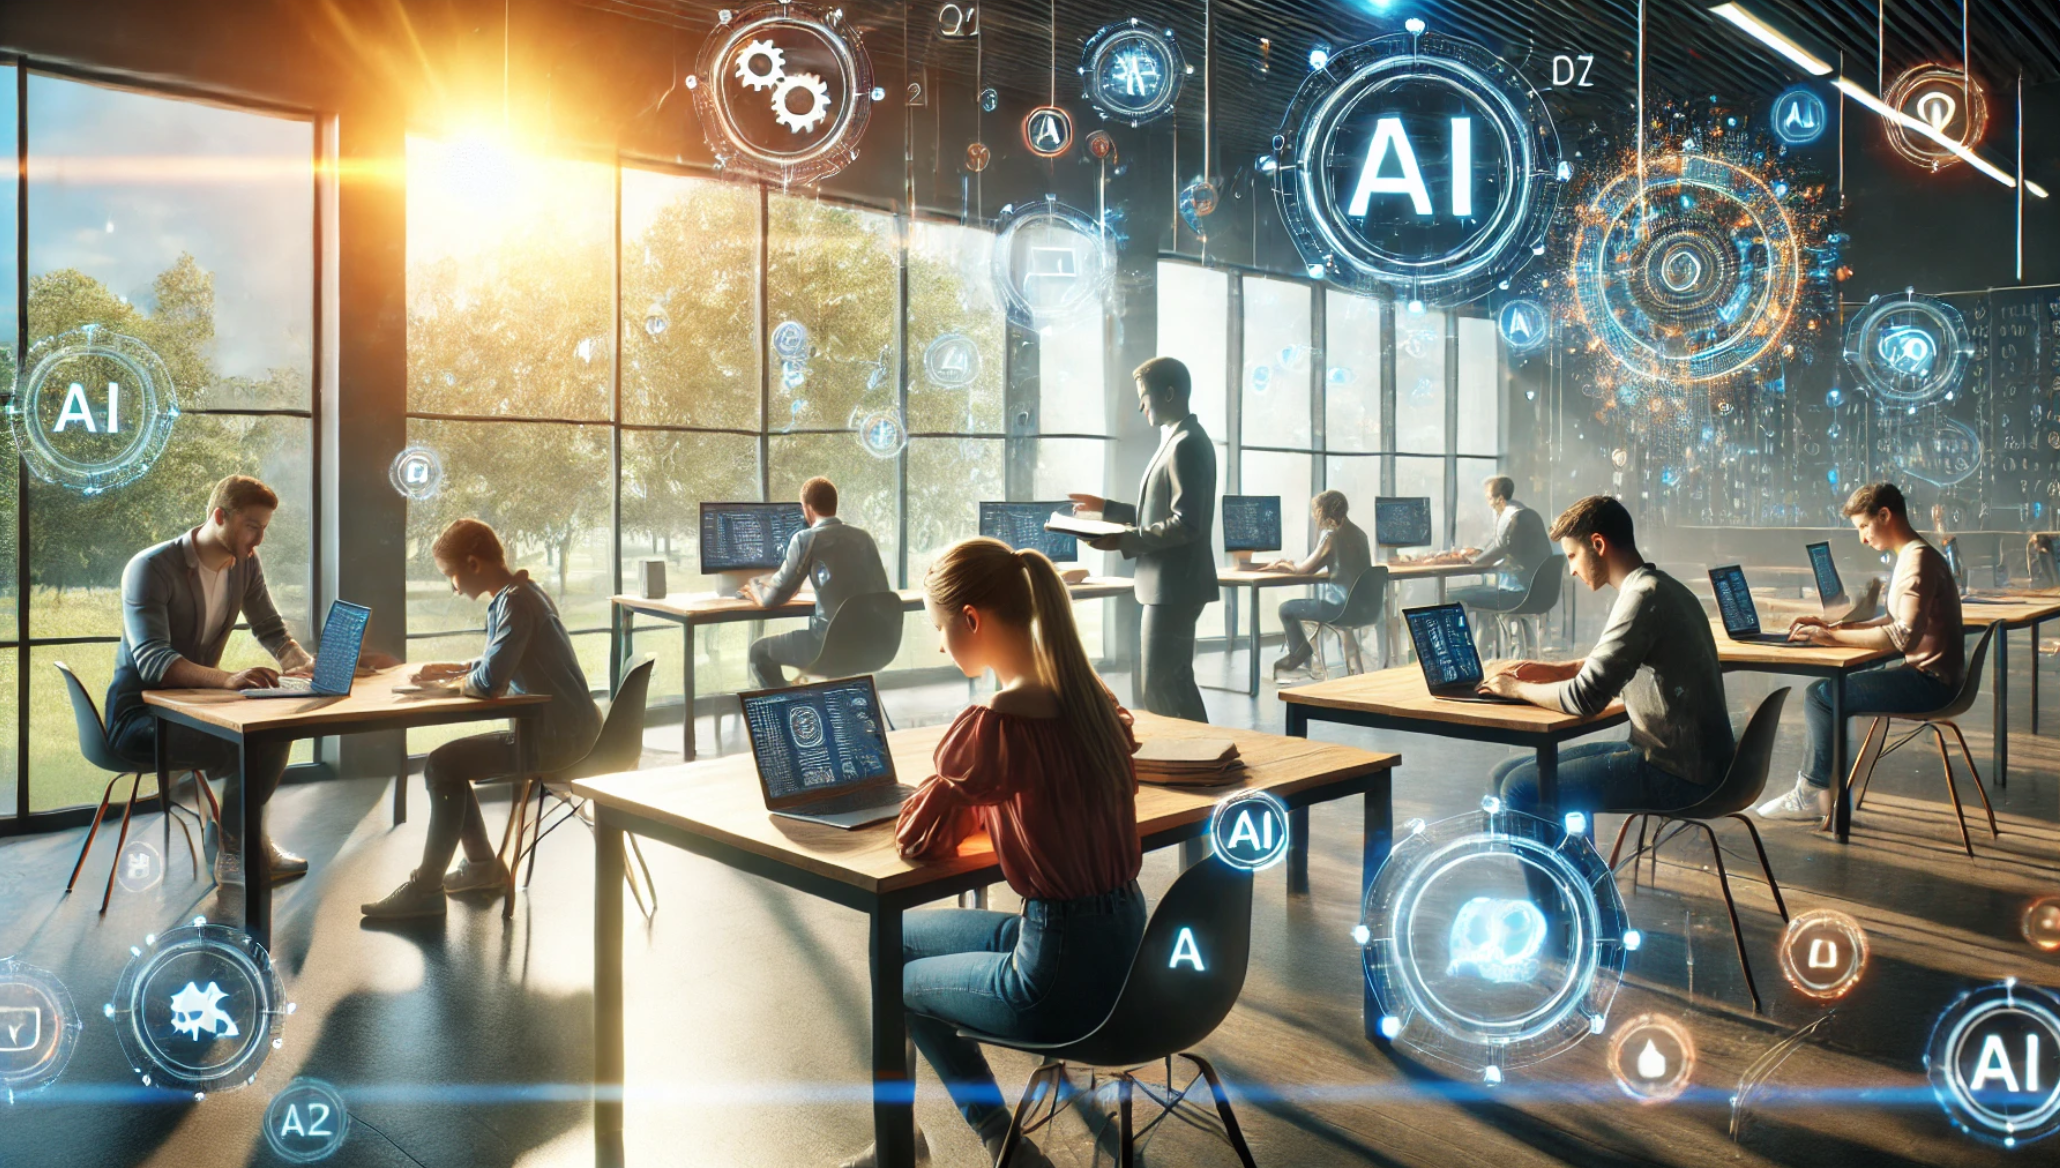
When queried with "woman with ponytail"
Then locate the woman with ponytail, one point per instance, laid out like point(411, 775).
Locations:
point(1043, 766)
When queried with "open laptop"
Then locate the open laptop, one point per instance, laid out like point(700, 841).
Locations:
point(1735, 606)
point(1445, 650)
point(336, 658)
point(822, 753)
point(1831, 592)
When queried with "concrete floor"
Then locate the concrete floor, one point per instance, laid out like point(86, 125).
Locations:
point(468, 1042)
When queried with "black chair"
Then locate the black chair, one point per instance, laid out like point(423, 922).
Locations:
point(1742, 786)
point(1364, 605)
point(619, 747)
point(98, 751)
point(1165, 1007)
point(863, 636)
point(1540, 598)
point(1872, 750)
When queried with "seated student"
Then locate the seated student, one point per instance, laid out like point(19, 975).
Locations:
point(1344, 552)
point(180, 602)
point(1043, 768)
point(1921, 618)
point(527, 652)
point(1519, 546)
point(1656, 652)
point(841, 560)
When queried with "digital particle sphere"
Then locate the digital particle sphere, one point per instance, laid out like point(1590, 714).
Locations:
point(784, 91)
point(92, 410)
point(1132, 72)
point(1689, 273)
point(1050, 262)
point(1994, 1063)
point(1908, 349)
point(198, 1008)
point(1467, 968)
point(1944, 98)
point(1424, 165)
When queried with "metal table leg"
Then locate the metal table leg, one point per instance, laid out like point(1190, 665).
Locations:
point(687, 679)
point(1841, 796)
point(894, 1116)
point(1298, 818)
point(1254, 643)
point(1375, 843)
point(608, 1040)
point(2001, 765)
point(2035, 626)
point(1548, 780)
point(257, 859)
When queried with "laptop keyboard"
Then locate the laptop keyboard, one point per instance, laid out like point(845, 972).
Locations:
point(859, 800)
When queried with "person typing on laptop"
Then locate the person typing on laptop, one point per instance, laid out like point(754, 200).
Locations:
point(1043, 766)
point(1922, 621)
point(841, 560)
point(528, 652)
point(1656, 652)
point(1344, 552)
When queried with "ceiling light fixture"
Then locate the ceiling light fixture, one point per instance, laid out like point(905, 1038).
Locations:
point(1767, 35)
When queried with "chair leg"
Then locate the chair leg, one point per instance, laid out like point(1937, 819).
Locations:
point(1009, 1143)
point(120, 842)
point(91, 832)
point(1124, 1086)
point(1617, 849)
point(628, 877)
point(1978, 788)
point(1870, 753)
point(515, 809)
point(1231, 1130)
point(631, 839)
point(536, 834)
point(518, 816)
point(1765, 869)
point(1730, 906)
point(1958, 813)
point(164, 797)
point(214, 808)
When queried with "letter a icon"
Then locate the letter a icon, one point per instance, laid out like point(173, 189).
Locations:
point(1185, 949)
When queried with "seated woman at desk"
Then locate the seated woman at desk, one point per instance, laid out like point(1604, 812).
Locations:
point(527, 652)
point(1344, 552)
point(1043, 767)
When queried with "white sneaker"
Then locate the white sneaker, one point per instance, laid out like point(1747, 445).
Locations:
point(1800, 803)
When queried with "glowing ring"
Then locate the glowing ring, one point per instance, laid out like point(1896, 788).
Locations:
point(882, 435)
point(1939, 450)
point(1050, 118)
point(2042, 923)
point(1906, 383)
point(1519, 132)
point(1524, 325)
point(150, 417)
point(790, 340)
point(236, 963)
point(1799, 116)
point(1107, 48)
point(298, 1093)
point(1915, 86)
point(819, 153)
point(1797, 968)
point(1695, 281)
point(1218, 835)
point(1417, 1016)
point(952, 361)
point(1941, 1062)
point(39, 991)
point(1653, 1089)
point(1029, 231)
point(417, 473)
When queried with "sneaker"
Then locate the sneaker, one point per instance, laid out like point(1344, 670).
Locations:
point(415, 898)
point(1800, 803)
point(870, 1158)
point(476, 876)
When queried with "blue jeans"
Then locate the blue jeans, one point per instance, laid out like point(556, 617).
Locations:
point(1294, 612)
point(1896, 690)
point(1048, 975)
point(1597, 776)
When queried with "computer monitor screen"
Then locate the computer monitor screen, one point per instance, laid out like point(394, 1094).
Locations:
point(343, 639)
point(747, 536)
point(1251, 523)
point(1021, 525)
point(815, 738)
point(1404, 522)
point(1444, 646)
point(1828, 586)
point(1734, 600)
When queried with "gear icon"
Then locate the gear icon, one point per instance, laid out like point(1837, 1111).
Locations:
point(818, 108)
point(775, 60)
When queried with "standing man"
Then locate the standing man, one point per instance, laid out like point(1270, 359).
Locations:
point(1519, 546)
point(1174, 515)
point(842, 562)
point(180, 602)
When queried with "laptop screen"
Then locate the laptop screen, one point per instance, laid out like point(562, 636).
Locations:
point(1828, 586)
point(817, 738)
point(1734, 601)
point(1444, 647)
point(1021, 525)
point(1251, 523)
point(739, 537)
point(343, 637)
point(1402, 522)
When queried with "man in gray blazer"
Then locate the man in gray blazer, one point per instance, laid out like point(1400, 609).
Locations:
point(180, 602)
point(1176, 565)
point(840, 560)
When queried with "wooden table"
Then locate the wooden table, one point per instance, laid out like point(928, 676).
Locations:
point(1256, 578)
point(2010, 611)
point(713, 808)
point(371, 706)
point(690, 610)
point(1397, 699)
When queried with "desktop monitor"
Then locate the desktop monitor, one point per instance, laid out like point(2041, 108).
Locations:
point(1402, 522)
point(1251, 523)
point(737, 537)
point(1021, 525)
point(1829, 587)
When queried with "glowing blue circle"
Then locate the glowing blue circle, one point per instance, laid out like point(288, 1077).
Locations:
point(1524, 324)
point(1939, 450)
point(1132, 72)
point(92, 410)
point(882, 435)
point(306, 1122)
point(790, 340)
point(1050, 262)
point(1910, 350)
point(1250, 830)
point(1979, 1055)
point(784, 91)
point(417, 472)
point(1475, 973)
point(42, 1032)
point(198, 1008)
point(1799, 116)
point(952, 361)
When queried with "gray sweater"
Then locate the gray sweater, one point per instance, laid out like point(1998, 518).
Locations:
point(1658, 654)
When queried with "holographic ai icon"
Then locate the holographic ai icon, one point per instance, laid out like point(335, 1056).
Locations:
point(1132, 72)
point(39, 1029)
point(1050, 262)
point(1909, 350)
point(1048, 131)
point(1496, 939)
point(417, 473)
point(1524, 325)
point(93, 409)
point(784, 91)
point(307, 1122)
point(198, 1008)
point(198, 1012)
point(1250, 830)
point(1823, 953)
point(952, 361)
point(1994, 1063)
point(1799, 116)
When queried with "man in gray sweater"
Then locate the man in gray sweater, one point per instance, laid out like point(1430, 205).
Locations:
point(1656, 653)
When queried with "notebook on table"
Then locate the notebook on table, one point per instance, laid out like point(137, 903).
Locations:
point(1445, 650)
point(822, 754)
point(1188, 762)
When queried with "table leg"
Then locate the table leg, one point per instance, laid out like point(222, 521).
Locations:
point(1255, 641)
point(1548, 780)
point(2035, 625)
point(257, 859)
point(687, 692)
point(162, 759)
point(1194, 851)
point(619, 646)
point(1298, 819)
point(608, 1041)
point(894, 1115)
point(1377, 841)
point(400, 790)
point(2001, 765)
point(1841, 796)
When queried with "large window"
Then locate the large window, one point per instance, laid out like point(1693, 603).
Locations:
point(189, 228)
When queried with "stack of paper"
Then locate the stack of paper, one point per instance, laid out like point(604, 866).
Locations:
point(1189, 762)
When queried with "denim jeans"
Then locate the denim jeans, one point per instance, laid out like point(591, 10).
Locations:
point(1294, 612)
point(794, 649)
point(1049, 974)
point(449, 773)
point(1896, 690)
point(1593, 776)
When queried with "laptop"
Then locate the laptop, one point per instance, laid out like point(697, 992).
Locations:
point(1445, 650)
point(822, 753)
point(1831, 592)
point(1734, 605)
point(336, 658)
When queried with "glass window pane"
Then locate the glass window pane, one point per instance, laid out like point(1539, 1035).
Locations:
point(1351, 339)
point(1420, 382)
point(689, 302)
point(1071, 397)
point(1425, 476)
point(1474, 524)
point(1194, 312)
point(9, 310)
point(1480, 390)
point(1277, 359)
point(865, 485)
point(955, 332)
point(833, 270)
point(1286, 475)
point(1068, 465)
point(509, 282)
point(947, 479)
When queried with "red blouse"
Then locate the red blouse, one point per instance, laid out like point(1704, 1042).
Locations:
point(1025, 781)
